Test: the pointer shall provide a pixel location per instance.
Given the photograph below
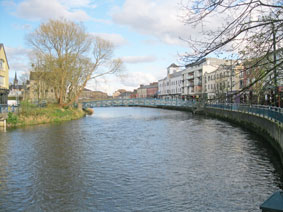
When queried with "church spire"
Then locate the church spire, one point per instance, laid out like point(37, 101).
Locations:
point(16, 79)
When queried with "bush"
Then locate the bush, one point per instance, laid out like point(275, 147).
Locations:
point(12, 118)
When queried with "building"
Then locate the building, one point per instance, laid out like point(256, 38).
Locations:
point(117, 93)
point(88, 94)
point(147, 91)
point(142, 92)
point(17, 91)
point(220, 85)
point(134, 94)
point(193, 76)
point(265, 89)
point(38, 89)
point(125, 95)
point(152, 90)
point(171, 86)
point(4, 76)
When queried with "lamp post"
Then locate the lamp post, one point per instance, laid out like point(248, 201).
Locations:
point(274, 65)
point(231, 81)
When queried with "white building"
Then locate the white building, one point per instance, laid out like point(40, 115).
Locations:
point(223, 82)
point(193, 76)
point(171, 86)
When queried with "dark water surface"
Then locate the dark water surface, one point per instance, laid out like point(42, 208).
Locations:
point(136, 159)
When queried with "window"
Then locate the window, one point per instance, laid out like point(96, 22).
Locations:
point(1, 81)
point(241, 83)
point(1, 64)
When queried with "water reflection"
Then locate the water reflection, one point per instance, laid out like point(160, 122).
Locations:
point(136, 159)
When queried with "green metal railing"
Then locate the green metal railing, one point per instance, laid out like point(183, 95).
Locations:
point(269, 112)
point(6, 108)
point(138, 102)
point(273, 113)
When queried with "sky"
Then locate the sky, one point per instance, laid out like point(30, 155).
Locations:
point(146, 34)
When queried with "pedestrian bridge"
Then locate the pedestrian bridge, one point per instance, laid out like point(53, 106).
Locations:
point(138, 102)
point(269, 112)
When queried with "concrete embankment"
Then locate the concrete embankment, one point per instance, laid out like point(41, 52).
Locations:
point(270, 130)
point(3, 118)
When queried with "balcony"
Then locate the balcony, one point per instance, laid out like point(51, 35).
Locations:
point(190, 76)
point(198, 82)
point(190, 84)
point(191, 90)
point(198, 89)
point(198, 74)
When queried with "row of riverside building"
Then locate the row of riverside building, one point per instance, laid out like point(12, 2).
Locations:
point(215, 80)
point(211, 79)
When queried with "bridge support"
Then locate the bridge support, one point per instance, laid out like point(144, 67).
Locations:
point(3, 118)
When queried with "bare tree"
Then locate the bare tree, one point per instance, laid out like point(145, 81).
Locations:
point(253, 29)
point(62, 50)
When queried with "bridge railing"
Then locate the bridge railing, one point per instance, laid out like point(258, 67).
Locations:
point(7, 108)
point(3, 108)
point(138, 102)
point(274, 113)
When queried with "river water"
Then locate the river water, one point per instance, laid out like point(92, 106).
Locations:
point(136, 159)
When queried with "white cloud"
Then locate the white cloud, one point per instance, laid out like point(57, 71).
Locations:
point(158, 18)
point(134, 79)
point(38, 10)
point(163, 19)
point(127, 81)
point(8, 3)
point(22, 26)
point(138, 59)
point(17, 53)
point(77, 3)
point(108, 84)
point(18, 59)
point(116, 39)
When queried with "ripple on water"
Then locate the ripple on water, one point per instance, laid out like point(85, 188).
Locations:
point(136, 159)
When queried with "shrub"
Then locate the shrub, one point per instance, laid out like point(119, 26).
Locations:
point(12, 118)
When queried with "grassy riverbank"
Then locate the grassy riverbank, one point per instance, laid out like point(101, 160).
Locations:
point(32, 115)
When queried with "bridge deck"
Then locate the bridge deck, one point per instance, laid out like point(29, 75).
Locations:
point(269, 112)
point(138, 102)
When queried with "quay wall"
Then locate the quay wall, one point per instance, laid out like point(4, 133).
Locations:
point(3, 118)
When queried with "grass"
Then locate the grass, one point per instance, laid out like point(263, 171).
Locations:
point(31, 115)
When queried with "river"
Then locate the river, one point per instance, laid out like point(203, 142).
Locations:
point(136, 159)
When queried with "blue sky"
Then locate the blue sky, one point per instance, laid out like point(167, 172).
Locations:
point(146, 34)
